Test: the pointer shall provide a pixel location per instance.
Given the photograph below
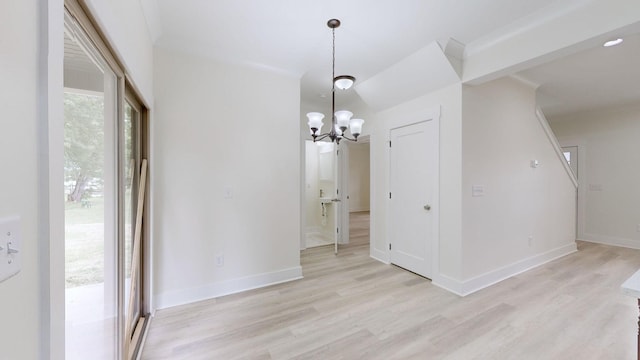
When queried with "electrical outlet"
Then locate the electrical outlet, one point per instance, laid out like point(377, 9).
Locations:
point(530, 241)
point(638, 228)
point(219, 260)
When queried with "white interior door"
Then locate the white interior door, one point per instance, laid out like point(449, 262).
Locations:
point(413, 196)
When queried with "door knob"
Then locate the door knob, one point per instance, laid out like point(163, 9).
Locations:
point(427, 207)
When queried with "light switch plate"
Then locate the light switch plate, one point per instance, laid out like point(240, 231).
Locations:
point(10, 247)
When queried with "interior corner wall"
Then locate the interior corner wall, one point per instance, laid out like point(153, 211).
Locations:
point(608, 175)
point(228, 174)
point(526, 216)
point(312, 187)
point(19, 68)
point(449, 100)
point(359, 177)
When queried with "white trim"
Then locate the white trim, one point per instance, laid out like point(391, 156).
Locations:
point(382, 256)
point(610, 240)
point(449, 284)
point(227, 287)
point(51, 132)
point(466, 287)
point(373, 252)
point(556, 146)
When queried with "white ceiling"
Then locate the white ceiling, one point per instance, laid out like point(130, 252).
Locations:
point(291, 36)
point(594, 78)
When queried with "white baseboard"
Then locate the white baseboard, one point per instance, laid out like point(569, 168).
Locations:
point(466, 287)
point(610, 240)
point(213, 290)
point(449, 284)
point(379, 255)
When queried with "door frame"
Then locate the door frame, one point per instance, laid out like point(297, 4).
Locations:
point(431, 114)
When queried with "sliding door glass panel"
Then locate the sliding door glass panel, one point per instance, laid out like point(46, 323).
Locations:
point(90, 114)
point(131, 163)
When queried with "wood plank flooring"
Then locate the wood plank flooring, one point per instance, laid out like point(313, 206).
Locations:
point(352, 307)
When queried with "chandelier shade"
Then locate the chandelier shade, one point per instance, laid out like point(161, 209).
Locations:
point(341, 121)
point(342, 118)
point(315, 122)
point(355, 126)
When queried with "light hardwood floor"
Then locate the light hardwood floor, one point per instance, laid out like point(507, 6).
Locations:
point(352, 307)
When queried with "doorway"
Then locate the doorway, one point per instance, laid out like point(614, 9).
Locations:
point(321, 166)
point(358, 187)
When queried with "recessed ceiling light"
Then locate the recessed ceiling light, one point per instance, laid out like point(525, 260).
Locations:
point(615, 42)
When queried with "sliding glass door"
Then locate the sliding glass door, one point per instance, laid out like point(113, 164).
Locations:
point(132, 163)
point(103, 135)
point(90, 119)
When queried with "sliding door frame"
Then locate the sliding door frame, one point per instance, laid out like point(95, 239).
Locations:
point(126, 89)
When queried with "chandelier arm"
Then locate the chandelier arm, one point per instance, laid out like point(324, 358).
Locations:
point(348, 138)
point(320, 137)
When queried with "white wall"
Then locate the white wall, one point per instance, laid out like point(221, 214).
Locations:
point(500, 136)
point(312, 186)
point(218, 127)
point(448, 100)
point(608, 172)
point(20, 295)
point(359, 177)
point(125, 27)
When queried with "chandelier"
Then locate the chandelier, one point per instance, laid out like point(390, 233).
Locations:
point(340, 120)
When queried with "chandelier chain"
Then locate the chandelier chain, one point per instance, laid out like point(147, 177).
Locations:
point(333, 69)
point(333, 84)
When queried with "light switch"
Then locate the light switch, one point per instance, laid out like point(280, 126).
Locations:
point(10, 247)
